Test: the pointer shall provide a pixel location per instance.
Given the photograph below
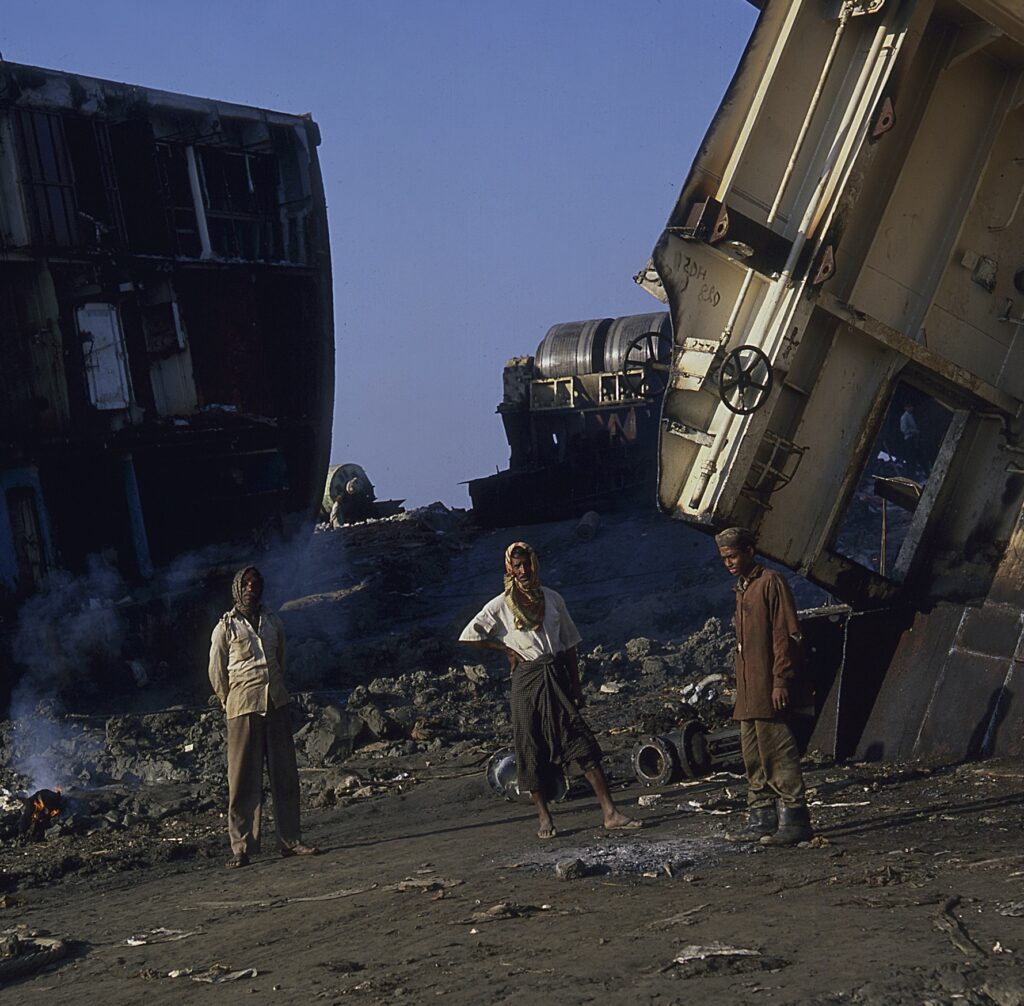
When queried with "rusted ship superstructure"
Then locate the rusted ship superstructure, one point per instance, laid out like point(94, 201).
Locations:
point(581, 418)
point(844, 269)
point(166, 332)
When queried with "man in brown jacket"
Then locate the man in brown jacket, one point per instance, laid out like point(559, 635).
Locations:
point(769, 688)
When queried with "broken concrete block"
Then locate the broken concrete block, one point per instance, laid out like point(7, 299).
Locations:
point(571, 869)
point(379, 724)
point(333, 735)
point(476, 673)
point(638, 648)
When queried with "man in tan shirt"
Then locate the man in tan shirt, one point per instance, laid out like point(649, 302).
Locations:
point(247, 674)
point(769, 688)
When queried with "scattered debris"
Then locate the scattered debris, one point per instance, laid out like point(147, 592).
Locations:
point(687, 918)
point(501, 911)
point(217, 974)
point(721, 958)
point(422, 884)
point(695, 952)
point(947, 922)
point(159, 935)
point(23, 953)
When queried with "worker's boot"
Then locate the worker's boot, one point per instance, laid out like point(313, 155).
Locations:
point(761, 820)
point(794, 827)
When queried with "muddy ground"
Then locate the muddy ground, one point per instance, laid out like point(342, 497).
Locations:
point(444, 891)
point(432, 886)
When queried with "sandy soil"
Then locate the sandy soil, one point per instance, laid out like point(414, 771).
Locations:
point(401, 905)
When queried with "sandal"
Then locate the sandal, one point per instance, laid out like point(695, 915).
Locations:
point(237, 861)
point(298, 849)
point(551, 832)
point(629, 823)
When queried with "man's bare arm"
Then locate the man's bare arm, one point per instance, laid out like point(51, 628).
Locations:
point(492, 644)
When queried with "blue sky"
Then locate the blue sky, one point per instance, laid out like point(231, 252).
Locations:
point(491, 169)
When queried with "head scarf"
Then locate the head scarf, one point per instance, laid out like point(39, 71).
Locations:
point(236, 586)
point(736, 537)
point(526, 602)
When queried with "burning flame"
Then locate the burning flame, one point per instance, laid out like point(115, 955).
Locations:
point(41, 810)
point(46, 805)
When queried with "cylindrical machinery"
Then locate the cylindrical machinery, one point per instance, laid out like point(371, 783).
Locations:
point(574, 347)
point(624, 331)
point(346, 480)
point(686, 753)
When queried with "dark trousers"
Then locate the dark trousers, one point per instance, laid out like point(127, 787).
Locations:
point(772, 761)
point(547, 728)
point(253, 739)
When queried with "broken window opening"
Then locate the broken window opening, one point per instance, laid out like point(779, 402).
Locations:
point(172, 172)
point(67, 180)
point(46, 179)
point(240, 200)
point(99, 219)
point(901, 461)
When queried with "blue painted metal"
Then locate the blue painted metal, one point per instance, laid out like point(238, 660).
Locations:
point(140, 540)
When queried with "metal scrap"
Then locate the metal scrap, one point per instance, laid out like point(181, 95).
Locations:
point(947, 922)
point(696, 952)
point(159, 935)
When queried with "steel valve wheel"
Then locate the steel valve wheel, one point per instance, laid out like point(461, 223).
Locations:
point(646, 363)
point(745, 380)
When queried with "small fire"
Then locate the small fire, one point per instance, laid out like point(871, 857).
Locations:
point(40, 809)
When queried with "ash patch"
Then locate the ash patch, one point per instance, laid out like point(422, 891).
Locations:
point(636, 856)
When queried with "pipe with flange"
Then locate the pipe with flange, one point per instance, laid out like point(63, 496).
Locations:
point(686, 753)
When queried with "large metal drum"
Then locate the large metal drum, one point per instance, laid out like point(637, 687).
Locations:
point(624, 330)
point(574, 347)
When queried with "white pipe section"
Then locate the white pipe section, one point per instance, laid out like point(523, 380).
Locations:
point(769, 308)
point(197, 202)
point(844, 20)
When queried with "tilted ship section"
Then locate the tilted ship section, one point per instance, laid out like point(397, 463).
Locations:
point(844, 271)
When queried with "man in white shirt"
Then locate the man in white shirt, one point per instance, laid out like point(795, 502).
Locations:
point(532, 627)
point(247, 674)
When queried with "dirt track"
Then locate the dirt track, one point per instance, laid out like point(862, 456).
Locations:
point(851, 921)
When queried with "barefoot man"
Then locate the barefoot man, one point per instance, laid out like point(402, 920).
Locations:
point(531, 626)
point(247, 675)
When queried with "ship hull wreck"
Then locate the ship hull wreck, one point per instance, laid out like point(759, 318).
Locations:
point(165, 302)
point(844, 274)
